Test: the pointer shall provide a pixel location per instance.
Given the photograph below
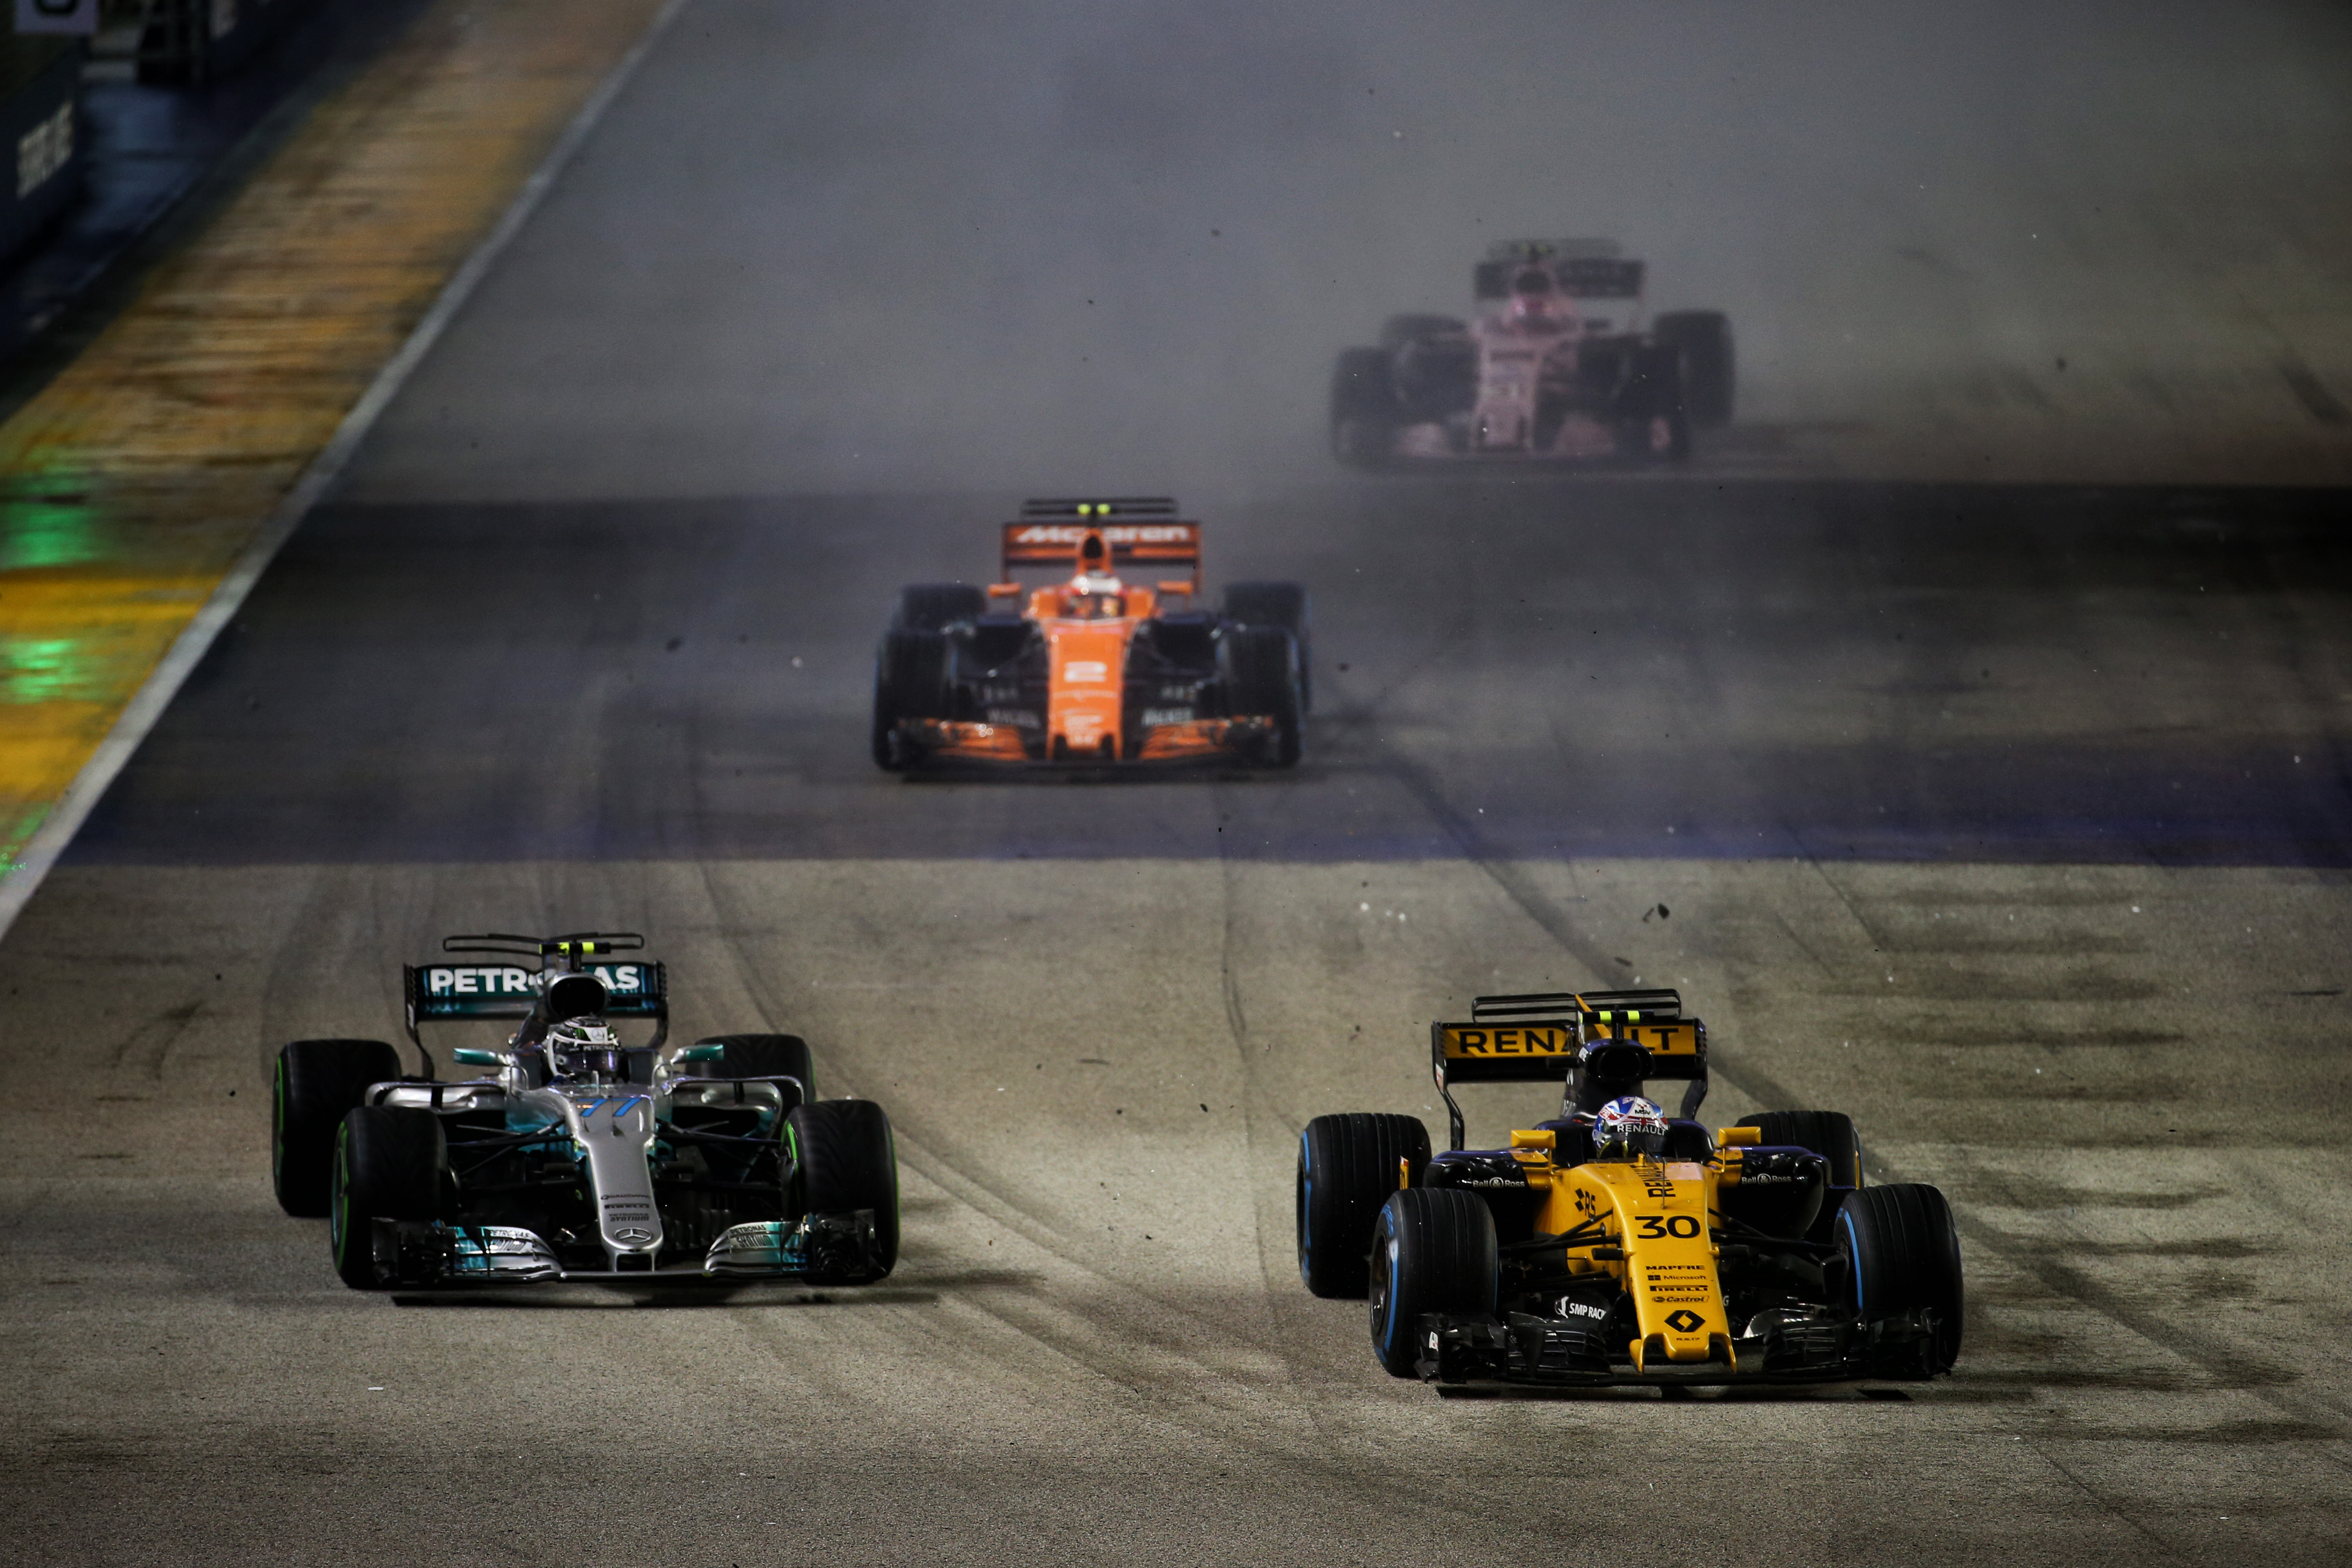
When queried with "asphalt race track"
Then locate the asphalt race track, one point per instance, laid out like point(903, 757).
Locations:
point(2006, 807)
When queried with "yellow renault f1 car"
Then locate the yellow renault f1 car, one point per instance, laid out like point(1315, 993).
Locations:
point(1091, 668)
point(1616, 1244)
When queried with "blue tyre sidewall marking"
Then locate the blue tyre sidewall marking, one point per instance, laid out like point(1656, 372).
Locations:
point(1306, 1211)
point(1389, 1297)
point(1853, 1251)
point(341, 1206)
point(278, 1125)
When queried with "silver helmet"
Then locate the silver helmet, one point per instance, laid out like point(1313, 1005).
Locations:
point(583, 1047)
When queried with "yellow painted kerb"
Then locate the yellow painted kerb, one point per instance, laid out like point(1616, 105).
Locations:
point(136, 480)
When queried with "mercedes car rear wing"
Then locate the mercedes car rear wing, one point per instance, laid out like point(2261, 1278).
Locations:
point(1596, 1043)
point(454, 991)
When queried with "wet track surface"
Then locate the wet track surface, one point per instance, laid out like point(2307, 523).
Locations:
point(2010, 817)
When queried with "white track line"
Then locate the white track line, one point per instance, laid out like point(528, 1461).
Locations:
point(148, 703)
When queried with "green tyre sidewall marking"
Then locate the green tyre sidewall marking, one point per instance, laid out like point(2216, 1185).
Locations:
point(278, 1128)
point(341, 1209)
point(793, 1205)
point(890, 1145)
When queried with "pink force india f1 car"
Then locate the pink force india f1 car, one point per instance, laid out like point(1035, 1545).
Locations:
point(1091, 668)
point(1557, 363)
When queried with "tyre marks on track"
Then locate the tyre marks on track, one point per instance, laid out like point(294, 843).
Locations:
point(1161, 1344)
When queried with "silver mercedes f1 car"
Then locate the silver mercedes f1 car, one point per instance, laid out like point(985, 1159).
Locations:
point(575, 1155)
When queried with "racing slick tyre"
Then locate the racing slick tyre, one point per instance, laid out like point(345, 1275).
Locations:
point(1703, 339)
point(316, 1082)
point(935, 606)
point(1262, 680)
point(1363, 409)
point(766, 1056)
point(1653, 425)
point(1652, 417)
point(910, 682)
point(1829, 1133)
point(391, 1162)
point(1434, 1250)
point(840, 1159)
point(1346, 1169)
point(1280, 605)
point(1905, 1256)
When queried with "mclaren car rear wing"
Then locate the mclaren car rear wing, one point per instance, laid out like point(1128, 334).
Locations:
point(1141, 531)
point(1596, 1043)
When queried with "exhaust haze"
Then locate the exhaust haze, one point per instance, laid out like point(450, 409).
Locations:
point(1061, 246)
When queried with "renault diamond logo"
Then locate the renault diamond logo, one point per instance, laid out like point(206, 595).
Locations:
point(639, 1232)
point(1684, 1320)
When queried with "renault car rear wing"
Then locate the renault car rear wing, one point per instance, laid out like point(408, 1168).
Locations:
point(1596, 1043)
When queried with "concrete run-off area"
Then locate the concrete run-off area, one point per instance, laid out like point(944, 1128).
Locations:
point(132, 484)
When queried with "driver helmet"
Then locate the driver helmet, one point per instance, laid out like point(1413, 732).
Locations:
point(1629, 1127)
point(1536, 305)
point(583, 1047)
point(1095, 597)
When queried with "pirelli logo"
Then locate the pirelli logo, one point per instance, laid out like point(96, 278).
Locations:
point(1491, 1043)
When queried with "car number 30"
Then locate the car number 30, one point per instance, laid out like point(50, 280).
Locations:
point(1655, 1226)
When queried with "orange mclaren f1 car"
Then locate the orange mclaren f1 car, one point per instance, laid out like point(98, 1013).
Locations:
point(1089, 668)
